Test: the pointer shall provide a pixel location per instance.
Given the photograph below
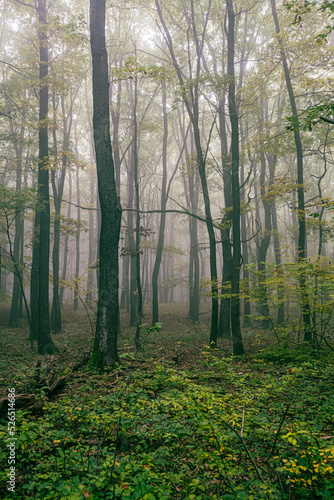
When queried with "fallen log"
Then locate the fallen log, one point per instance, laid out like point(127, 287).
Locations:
point(21, 401)
point(52, 385)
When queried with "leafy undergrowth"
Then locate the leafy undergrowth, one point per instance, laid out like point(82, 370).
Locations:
point(213, 426)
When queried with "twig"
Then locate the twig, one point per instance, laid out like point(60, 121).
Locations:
point(324, 338)
point(242, 423)
point(90, 321)
point(246, 449)
point(218, 446)
point(187, 331)
point(277, 434)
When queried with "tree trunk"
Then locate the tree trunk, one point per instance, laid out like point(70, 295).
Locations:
point(265, 237)
point(18, 238)
point(21, 296)
point(116, 114)
point(77, 247)
point(235, 301)
point(225, 302)
point(300, 187)
point(90, 274)
point(58, 189)
point(190, 182)
point(105, 345)
point(139, 318)
point(125, 294)
point(42, 216)
point(132, 241)
point(245, 259)
point(64, 272)
point(192, 106)
point(161, 237)
point(278, 262)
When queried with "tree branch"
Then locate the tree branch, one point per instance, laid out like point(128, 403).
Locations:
point(328, 120)
point(26, 4)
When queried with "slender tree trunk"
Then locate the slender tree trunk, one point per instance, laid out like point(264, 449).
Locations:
point(265, 237)
point(300, 187)
point(125, 294)
point(105, 345)
point(278, 262)
point(277, 248)
point(161, 237)
point(172, 242)
point(116, 114)
point(194, 297)
point(77, 247)
point(64, 272)
point(192, 106)
point(42, 216)
point(13, 317)
point(139, 294)
point(98, 229)
point(225, 303)
point(90, 274)
point(21, 296)
point(132, 242)
point(245, 259)
point(190, 182)
point(235, 301)
point(34, 281)
point(58, 189)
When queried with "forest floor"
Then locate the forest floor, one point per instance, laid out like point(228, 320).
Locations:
point(173, 421)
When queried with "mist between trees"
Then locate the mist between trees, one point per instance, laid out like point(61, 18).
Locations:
point(157, 152)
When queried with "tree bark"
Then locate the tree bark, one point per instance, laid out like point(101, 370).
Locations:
point(238, 348)
point(18, 238)
point(42, 216)
point(105, 345)
point(77, 247)
point(225, 302)
point(58, 189)
point(139, 318)
point(161, 237)
point(265, 235)
point(64, 271)
point(245, 259)
point(90, 274)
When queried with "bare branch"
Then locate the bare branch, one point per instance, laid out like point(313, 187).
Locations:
point(328, 120)
point(26, 4)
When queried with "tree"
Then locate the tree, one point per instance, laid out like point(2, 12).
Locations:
point(161, 237)
point(105, 345)
point(19, 232)
point(235, 287)
point(58, 182)
point(191, 101)
point(40, 322)
point(300, 185)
